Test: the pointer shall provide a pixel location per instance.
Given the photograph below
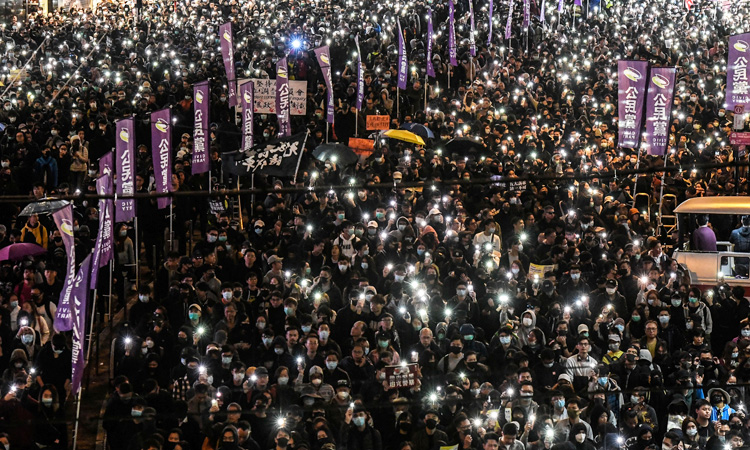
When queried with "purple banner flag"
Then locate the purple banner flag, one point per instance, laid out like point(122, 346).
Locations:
point(247, 97)
point(430, 66)
point(201, 98)
point(64, 220)
point(526, 14)
point(489, 31)
point(161, 153)
point(323, 54)
point(541, 13)
point(103, 252)
point(124, 164)
point(360, 77)
point(738, 89)
point(283, 113)
point(227, 54)
point(560, 5)
point(105, 164)
point(659, 109)
point(631, 93)
point(509, 21)
point(403, 66)
point(79, 297)
point(472, 30)
point(452, 50)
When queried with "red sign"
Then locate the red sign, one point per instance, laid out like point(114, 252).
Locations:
point(739, 138)
point(401, 376)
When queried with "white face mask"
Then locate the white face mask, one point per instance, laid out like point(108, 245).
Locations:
point(580, 437)
point(527, 321)
point(611, 291)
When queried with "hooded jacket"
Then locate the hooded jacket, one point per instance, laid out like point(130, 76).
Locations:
point(523, 330)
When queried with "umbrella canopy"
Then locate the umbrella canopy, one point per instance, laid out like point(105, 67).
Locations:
point(45, 206)
point(419, 130)
point(338, 153)
point(464, 145)
point(403, 135)
point(15, 252)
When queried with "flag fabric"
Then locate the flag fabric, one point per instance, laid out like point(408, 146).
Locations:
point(360, 77)
point(526, 14)
point(279, 157)
point(403, 66)
point(283, 113)
point(106, 164)
point(452, 50)
point(659, 109)
point(738, 89)
point(489, 30)
point(472, 31)
point(124, 165)
point(631, 93)
point(688, 4)
point(64, 221)
point(323, 54)
point(227, 54)
point(541, 13)
point(103, 252)
point(560, 6)
point(201, 99)
point(430, 66)
point(161, 153)
point(509, 21)
point(247, 100)
point(80, 298)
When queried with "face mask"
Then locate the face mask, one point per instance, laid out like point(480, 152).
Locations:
point(27, 339)
point(603, 381)
point(401, 227)
point(634, 399)
point(664, 320)
point(461, 292)
point(343, 395)
point(194, 316)
point(343, 268)
point(331, 365)
point(692, 432)
point(47, 401)
point(316, 381)
point(693, 299)
point(283, 381)
point(136, 413)
point(611, 291)
point(211, 238)
point(13, 305)
point(527, 321)
point(735, 354)
point(323, 335)
point(282, 442)
point(505, 340)
point(226, 295)
point(456, 349)
point(575, 276)
point(560, 404)
point(306, 329)
point(267, 341)
point(359, 421)
point(614, 347)
point(580, 437)
point(288, 311)
point(226, 360)
point(636, 318)
point(278, 351)
point(745, 332)
point(238, 377)
point(514, 270)
point(549, 364)
point(399, 278)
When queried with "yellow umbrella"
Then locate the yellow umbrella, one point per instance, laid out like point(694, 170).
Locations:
point(406, 136)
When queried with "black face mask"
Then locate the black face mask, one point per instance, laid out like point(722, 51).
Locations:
point(282, 442)
point(455, 349)
point(431, 424)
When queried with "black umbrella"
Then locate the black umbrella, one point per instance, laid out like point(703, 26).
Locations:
point(464, 146)
point(44, 206)
point(337, 153)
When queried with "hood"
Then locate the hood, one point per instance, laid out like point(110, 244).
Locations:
point(17, 354)
point(441, 327)
point(533, 319)
point(725, 394)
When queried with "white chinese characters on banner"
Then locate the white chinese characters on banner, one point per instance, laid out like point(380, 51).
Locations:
point(265, 96)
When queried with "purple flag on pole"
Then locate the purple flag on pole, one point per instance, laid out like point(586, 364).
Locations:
point(578, 3)
point(526, 14)
point(201, 98)
point(282, 98)
point(103, 252)
point(452, 50)
point(247, 98)
point(79, 297)
point(161, 153)
point(489, 31)
point(472, 41)
point(323, 54)
point(541, 13)
point(510, 20)
point(560, 6)
point(430, 66)
point(659, 109)
point(738, 89)
point(403, 66)
point(631, 93)
point(227, 54)
point(124, 164)
point(360, 77)
point(64, 220)
point(105, 164)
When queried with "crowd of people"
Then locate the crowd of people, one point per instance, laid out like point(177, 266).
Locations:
point(541, 310)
